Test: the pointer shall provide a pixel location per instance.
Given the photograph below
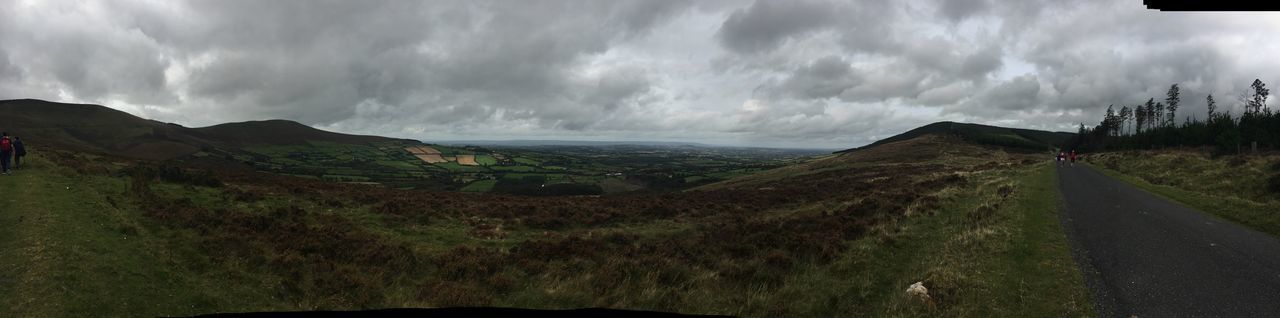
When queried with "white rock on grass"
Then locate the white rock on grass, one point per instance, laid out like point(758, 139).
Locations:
point(919, 291)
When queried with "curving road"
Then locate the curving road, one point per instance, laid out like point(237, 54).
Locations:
point(1146, 256)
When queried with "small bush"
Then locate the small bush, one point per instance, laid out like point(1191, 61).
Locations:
point(176, 174)
point(779, 260)
point(454, 294)
point(1005, 190)
point(1237, 161)
point(980, 215)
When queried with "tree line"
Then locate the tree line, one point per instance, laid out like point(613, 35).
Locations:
point(1154, 124)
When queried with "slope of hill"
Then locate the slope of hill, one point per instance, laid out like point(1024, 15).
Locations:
point(967, 221)
point(1027, 139)
point(99, 129)
point(94, 128)
point(281, 132)
point(922, 149)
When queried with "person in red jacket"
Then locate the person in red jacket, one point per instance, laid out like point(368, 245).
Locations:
point(1073, 158)
point(6, 152)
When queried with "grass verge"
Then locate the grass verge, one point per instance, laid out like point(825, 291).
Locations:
point(1000, 252)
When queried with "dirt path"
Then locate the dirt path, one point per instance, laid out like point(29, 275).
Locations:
point(1146, 256)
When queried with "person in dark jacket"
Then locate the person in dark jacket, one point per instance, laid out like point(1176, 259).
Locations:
point(18, 151)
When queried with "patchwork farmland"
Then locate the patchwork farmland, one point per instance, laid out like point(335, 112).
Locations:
point(467, 160)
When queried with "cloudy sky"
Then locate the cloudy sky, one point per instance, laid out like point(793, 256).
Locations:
point(830, 74)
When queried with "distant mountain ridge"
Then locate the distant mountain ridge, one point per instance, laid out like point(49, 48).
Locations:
point(1018, 138)
point(544, 142)
point(100, 129)
point(278, 131)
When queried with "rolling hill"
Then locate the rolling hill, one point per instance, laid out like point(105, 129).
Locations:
point(99, 129)
point(1016, 138)
point(280, 132)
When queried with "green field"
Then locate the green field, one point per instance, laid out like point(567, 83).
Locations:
point(514, 168)
point(486, 160)
point(479, 186)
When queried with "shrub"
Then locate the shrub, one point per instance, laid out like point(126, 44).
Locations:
point(1273, 184)
point(1237, 161)
point(175, 174)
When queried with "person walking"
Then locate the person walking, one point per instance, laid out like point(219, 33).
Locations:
point(6, 152)
point(1073, 157)
point(18, 152)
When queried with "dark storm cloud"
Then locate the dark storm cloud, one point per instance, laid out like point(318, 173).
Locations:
point(767, 23)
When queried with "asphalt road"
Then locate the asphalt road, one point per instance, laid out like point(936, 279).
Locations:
point(1146, 256)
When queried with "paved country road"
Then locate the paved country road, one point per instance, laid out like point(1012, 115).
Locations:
point(1146, 256)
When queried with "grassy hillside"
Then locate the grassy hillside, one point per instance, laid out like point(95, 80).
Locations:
point(841, 236)
point(72, 245)
point(1026, 139)
point(94, 128)
point(1244, 189)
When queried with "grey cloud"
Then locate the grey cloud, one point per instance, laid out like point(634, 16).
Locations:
point(895, 80)
point(517, 57)
point(784, 72)
point(978, 65)
point(615, 88)
point(640, 16)
point(1091, 78)
point(899, 63)
point(1019, 93)
point(8, 71)
point(87, 61)
point(767, 23)
point(958, 10)
point(946, 95)
point(822, 78)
